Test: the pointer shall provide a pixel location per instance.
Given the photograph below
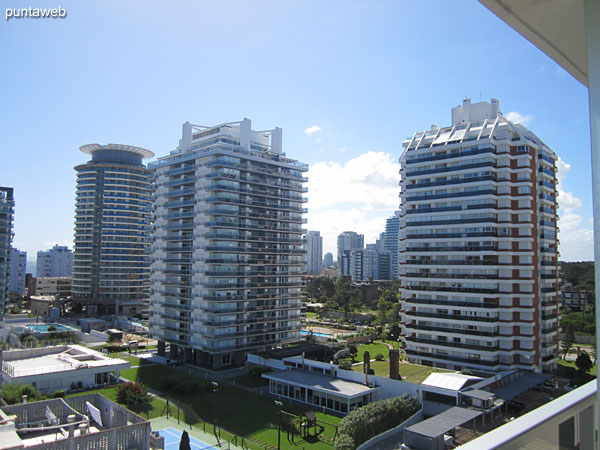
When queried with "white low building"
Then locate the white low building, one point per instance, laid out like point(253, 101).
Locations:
point(64, 367)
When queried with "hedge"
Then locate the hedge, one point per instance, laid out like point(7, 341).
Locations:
point(374, 418)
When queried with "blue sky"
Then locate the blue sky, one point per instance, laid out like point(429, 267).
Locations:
point(347, 81)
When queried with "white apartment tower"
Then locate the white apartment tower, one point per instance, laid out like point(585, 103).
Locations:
point(314, 252)
point(17, 266)
point(227, 245)
point(346, 242)
point(478, 244)
point(56, 262)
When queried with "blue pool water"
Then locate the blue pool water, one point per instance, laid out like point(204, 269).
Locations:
point(43, 327)
point(315, 333)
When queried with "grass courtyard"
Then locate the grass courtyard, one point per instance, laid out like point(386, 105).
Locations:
point(236, 410)
point(409, 372)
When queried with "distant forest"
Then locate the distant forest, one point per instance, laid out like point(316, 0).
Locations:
point(580, 274)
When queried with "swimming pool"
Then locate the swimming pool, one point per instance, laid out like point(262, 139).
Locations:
point(316, 333)
point(43, 327)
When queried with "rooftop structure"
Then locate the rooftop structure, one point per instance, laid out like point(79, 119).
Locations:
point(320, 390)
point(86, 422)
point(64, 367)
point(478, 249)
point(112, 225)
point(227, 245)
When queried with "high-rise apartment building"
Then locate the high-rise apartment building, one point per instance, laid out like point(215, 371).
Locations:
point(391, 242)
point(328, 260)
point(346, 242)
point(314, 252)
point(112, 227)
point(56, 262)
point(16, 272)
point(227, 245)
point(7, 205)
point(478, 249)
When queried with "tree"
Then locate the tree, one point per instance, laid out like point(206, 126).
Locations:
point(353, 351)
point(184, 443)
point(135, 397)
point(568, 341)
point(345, 297)
point(583, 362)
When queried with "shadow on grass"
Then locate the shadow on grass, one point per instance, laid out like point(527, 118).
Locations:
point(235, 409)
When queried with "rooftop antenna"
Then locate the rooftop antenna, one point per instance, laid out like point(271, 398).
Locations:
point(480, 96)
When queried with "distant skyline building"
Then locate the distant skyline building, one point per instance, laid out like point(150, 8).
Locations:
point(7, 207)
point(112, 226)
point(17, 270)
point(328, 260)
point(227, 260)
point(346, 242)
point(391, 242)
point(478, 245)
point(55, 262)
point(314, 252)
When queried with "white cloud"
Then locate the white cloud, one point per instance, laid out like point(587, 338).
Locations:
point(357, 196)
point(517, 117)
point(576, 239)
point(313, 129)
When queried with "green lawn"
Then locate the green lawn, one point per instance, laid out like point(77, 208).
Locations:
point(311, 315)
point(235, 409)
point(571, 364)
point(373, 350)
point(412, 372)
point(158, 404)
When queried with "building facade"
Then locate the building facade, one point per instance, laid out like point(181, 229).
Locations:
point(227, 245)
point(58, 287)
point(346, 242)
point(478, 248)
point(328, 260)
point(314, 253)
point(7, 205)
point(56, 262)
point(112, 228)
point(391, 242)
point(17, 270)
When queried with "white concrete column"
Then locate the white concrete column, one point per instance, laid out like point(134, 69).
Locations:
point(592, 29)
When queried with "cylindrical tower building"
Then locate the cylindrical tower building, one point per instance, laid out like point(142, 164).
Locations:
point(112, 226)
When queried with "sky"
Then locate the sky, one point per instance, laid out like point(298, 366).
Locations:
point(348, 81)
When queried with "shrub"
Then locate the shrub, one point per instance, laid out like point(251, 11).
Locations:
point(379, 357)
point(343, 442)
point(583, 362)
point(375, 418)
point(134, 396)
point(60, 394)
point(345, 364)
point(11, 393)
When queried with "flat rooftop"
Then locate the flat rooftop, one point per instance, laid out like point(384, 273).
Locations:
point(451, 381)
point(23, 363)
point(444, 422)
point(321, 383)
